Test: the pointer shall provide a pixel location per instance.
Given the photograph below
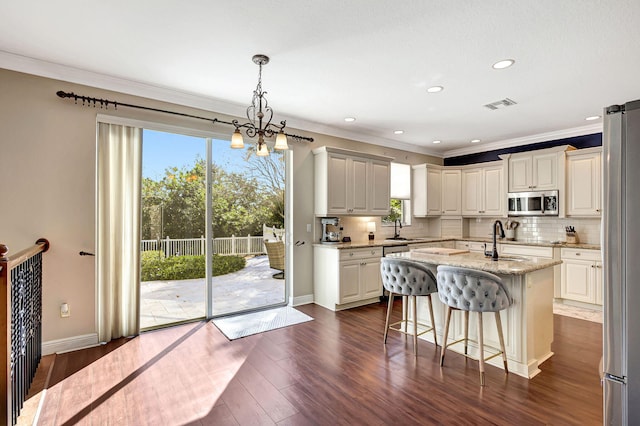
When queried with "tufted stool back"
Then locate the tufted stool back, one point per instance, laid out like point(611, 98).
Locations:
point(476, 291)
point(406, 277)
point(472, 290)
point(409, 279)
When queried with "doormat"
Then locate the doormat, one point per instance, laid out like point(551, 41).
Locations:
point(238, 326)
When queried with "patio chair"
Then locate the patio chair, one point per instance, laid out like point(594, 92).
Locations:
point(275, 252)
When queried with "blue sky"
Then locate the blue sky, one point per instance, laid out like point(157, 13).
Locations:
point(161, 150)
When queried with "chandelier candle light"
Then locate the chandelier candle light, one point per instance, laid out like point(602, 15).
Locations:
point(258, 112)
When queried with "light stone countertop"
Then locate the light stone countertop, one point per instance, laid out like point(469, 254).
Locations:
point(479, 262)
point(489, 241)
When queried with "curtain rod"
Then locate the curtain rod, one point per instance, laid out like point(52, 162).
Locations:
point(104, 103)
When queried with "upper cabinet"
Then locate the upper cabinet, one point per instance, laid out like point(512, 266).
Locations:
point(351, 183)
point(436, 191)
point(451, 192)
point(483, 190)
point(539, 170)
point(584, 185)
point(426, 195)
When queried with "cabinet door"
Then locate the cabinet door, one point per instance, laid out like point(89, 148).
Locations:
point(577, 280)
point(380, 188)
point(545, 172)
point(451, 192)
point(494, 203)
point(434, 192)
point(583, 185)
point(370, 279)
point(472, 192)
point(350, 281)
point(520, 173)
point(359, 182)
point(338, 184)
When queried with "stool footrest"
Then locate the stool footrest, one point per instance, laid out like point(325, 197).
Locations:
point(426, 328)
point(491, 349)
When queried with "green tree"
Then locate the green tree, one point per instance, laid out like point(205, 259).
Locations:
point(175, 205)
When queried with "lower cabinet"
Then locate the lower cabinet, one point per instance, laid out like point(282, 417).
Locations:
point(473, 246)
point(443, 244)
point(345, 278)
point(581, 275)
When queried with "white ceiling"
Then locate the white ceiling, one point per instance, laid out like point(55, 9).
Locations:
point(370, 59)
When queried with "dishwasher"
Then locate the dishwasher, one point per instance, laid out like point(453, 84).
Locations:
point(399, 248)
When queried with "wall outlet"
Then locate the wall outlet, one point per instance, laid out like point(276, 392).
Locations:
point(65, 310)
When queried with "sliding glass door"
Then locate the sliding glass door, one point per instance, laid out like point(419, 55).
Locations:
point(190, 271)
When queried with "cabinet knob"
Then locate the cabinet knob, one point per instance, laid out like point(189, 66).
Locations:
point(578, 254)
point(350, 254)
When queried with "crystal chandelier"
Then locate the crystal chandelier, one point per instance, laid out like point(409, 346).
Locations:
point(260, 114)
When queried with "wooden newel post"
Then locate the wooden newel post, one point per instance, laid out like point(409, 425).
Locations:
point(5, 337)
point(3, 252)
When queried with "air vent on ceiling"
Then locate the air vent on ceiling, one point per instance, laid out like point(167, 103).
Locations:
point(500, 104)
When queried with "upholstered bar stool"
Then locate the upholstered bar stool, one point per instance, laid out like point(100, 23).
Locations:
point(470, 290)
point(408, 279)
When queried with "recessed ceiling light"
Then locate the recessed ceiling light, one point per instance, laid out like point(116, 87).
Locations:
point(505, 63)
point(435, 89)
point(349, 119)
point(398, 132)
point(475, 140)
point(436, 141)
point(593, 117)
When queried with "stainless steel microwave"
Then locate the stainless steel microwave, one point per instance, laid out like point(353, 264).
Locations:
point(537, 203)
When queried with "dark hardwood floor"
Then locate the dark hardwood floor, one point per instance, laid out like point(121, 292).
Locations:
point(330, 371)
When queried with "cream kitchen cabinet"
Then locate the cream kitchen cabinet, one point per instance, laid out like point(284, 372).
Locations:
point(345, 278)
point(581, 275)
point(483, 191)
point(351, 183)
point(426, 195)
point(451, 192)
point(441, 244)
point(537, 170)
point(584, 182)
point(472, 246)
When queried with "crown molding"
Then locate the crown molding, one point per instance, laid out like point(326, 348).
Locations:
point(24, 64)
point(525, 140)
point(69, 74)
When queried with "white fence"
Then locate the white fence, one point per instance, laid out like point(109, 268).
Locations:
point(196, 246)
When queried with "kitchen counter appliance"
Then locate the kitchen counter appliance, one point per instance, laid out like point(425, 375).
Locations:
point(535, 203)
point(331, 232)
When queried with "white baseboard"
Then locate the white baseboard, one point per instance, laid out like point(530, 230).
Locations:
point(69, 344)
point(301, 300)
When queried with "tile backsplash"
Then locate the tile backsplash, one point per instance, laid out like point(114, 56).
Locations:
point(531, 228)
point(541, 228)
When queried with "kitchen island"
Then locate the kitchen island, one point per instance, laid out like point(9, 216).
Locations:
point(527, 324)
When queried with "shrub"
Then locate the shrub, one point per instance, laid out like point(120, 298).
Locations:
point(155, 267)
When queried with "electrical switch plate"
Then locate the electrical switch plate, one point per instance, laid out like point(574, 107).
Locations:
point(65, 311)
point(308, 227)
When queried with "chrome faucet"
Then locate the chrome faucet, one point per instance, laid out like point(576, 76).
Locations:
point(494, 253)
point(396, 234)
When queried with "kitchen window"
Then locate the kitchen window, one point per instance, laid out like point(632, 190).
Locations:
point(400, 195)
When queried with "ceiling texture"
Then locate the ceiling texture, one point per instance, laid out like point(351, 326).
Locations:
point(368, 59)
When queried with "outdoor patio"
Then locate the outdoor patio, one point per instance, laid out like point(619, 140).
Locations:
point(165, 302)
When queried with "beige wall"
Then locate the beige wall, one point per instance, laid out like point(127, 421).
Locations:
point(47, 160)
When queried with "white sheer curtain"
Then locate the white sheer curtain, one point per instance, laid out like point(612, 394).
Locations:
point(118, 239)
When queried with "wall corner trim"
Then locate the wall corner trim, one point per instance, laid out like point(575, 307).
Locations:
point(69, 344)
point(301, 300)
